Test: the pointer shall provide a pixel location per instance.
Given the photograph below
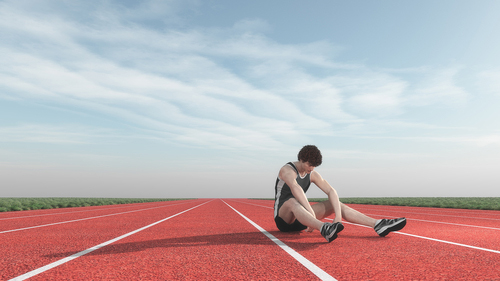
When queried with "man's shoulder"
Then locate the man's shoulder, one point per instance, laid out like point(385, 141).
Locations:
point(315, 176)
point(287, 169)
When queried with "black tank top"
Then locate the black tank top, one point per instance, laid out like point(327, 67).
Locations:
point(282, 191)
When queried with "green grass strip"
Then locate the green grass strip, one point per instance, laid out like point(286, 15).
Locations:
point(8, 204)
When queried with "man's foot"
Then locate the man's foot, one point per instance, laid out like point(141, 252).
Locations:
point(330, 230)
point(384, 226)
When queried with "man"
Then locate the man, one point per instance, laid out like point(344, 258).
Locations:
point(292, 211)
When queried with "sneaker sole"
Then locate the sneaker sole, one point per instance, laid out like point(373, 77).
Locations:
point(340, 227)
point(392, 228)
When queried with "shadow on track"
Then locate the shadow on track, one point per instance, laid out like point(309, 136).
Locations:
point(244, 238)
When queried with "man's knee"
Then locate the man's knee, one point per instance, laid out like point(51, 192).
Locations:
point(294, 206)
point(290, 204)
point(293, 203)
point(343, 206)
point(328, 208)
point(288, 209)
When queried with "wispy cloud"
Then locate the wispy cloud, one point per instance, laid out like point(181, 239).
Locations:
point(184, 84)
point(52, 134)
point(371, 93)
point(199, 102)
point(370, 155)
point(489, 82)
point(438, 87)
point(484, 140)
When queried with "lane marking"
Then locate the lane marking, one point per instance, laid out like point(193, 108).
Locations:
point(452, 243)
point(413, 219)
point(494, 213)
point(401, 212)
point(433, 239)
point(254, 204)
point(443, 215)
point(305, 262)
point(450, 223)
point(413, 235)
point(64, 213)
point(54, 214)
point(72, 257)
point(89, 218)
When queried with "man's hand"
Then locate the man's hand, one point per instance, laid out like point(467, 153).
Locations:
point(309, 229)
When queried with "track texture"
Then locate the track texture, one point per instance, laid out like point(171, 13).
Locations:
point(206, 239)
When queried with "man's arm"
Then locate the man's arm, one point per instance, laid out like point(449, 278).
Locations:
point(331, 192)
point(289, 175)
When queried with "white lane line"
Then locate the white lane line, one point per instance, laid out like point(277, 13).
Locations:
point(452, 243)
point(450, 223)
point(439, 210)
point(433, 239)
point(72, 212)
point(54, 214)
point(305, 262)
point(457, 224)
point(442, 215)
point(417, 236)
point(254, 204)
point(72, 257)
point(89, 218)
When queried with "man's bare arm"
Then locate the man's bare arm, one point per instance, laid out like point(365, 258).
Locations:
point(333, 197)
point(289, 175)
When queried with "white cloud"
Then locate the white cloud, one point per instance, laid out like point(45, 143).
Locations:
point(489, 82)
point(202, 102)
point(438, 87)
point(153, 102)
point(371, 155)
point(51, 134)
point(186, 87)
point(369, 93)
point(475, 140)
point(389, 92)
point(251, 25)
point(184, 95)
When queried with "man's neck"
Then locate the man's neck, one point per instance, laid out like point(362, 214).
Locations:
point(300, 167)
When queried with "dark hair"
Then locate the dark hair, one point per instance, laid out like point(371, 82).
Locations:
point(311, 154)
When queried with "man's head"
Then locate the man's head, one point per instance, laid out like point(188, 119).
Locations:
point(311, 154)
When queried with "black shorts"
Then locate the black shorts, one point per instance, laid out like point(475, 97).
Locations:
point(285, 227)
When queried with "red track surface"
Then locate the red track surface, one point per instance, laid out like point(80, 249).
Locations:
point(206, 239)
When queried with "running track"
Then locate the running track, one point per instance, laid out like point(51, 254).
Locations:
point(237, 239)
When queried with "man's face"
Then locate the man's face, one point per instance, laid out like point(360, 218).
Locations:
point(308, 167)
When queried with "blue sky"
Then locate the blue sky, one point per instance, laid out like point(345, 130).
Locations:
point(211, 98)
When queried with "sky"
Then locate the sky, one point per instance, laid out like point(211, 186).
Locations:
point(209, 99)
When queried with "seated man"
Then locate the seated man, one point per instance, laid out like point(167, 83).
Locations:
point(292, 211)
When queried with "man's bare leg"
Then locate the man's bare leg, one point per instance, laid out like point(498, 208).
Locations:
point(292, 209)
point(325, 208)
